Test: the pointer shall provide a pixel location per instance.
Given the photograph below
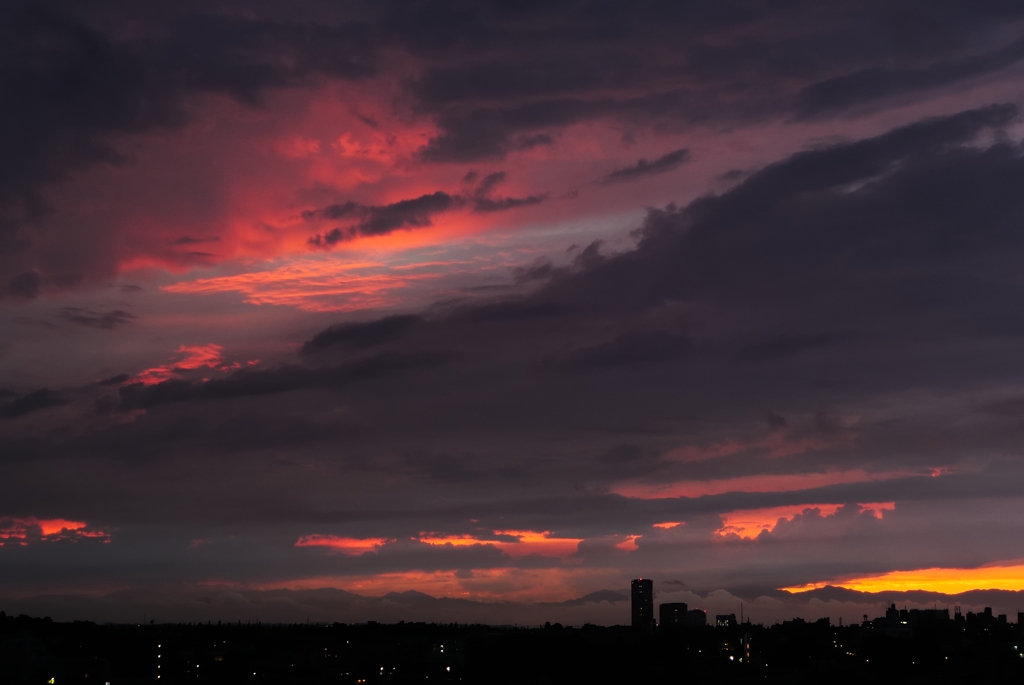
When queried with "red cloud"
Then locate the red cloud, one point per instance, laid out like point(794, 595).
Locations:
point(23, 531)
point(350, 546)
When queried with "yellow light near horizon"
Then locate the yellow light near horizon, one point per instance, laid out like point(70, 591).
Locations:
point(948, 581)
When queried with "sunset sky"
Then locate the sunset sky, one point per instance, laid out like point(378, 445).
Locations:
point(509, 302)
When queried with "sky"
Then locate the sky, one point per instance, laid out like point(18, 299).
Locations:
point(440, 310)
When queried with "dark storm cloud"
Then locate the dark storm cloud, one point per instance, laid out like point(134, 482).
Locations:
point(541, 270)
point(826, 291)
point(490, 102)
point(644, 168)
point(188, 240)
point(494, 80)
point(381, 220)
point(843, 256)
point(873, 84)
point(446, 468)
point(491, 133)
point(511, 311)
point(75, 86)
point(589, 256)
point(594, 514)
point(489, 183)
point(361, 335)
point(787, 346)
point(484, 204)
point(829, 265)
point(839, 255)
point(72, 85)
point(406, 214)
point(622, 454)
point(119, 379)
point(763, 241)
point(90, 319)
point(32, 402)
point(24, 286)
point(634, 347)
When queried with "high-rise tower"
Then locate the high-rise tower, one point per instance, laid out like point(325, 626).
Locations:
point(643, 603)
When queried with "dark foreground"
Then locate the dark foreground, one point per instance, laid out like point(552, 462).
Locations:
point(39, 651)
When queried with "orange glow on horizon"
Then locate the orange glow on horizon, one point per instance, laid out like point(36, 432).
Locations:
point(350, 546)
point(948, 581)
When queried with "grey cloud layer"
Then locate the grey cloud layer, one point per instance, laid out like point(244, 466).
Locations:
point(412, 213)
point(76, 82)
point(495, 80)
point(643, 168)
point(849, 309)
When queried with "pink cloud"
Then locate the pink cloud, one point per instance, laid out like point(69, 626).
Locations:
point(194, 357)
point(524, 542)
point(349, 546)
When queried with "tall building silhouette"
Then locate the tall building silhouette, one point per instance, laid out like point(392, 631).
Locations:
point(643, 603)
point(696, 618)
point(672, 614)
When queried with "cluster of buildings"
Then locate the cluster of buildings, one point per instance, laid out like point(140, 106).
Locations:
point(670, 613)
point(896, 622)
point(902, 622)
